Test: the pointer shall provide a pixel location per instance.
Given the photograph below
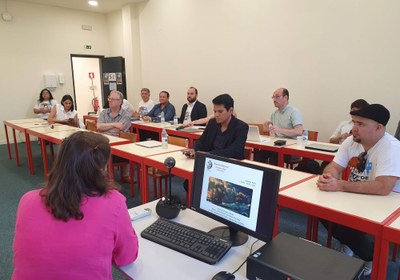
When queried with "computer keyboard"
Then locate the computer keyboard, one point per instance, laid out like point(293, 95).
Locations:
point(187, 240)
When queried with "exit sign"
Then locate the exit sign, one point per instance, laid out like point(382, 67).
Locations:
point(88, 47)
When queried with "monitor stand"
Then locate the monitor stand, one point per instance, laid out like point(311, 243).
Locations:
point(237, 237)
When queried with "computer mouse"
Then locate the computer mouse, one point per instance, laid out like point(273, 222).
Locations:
point(223, 275)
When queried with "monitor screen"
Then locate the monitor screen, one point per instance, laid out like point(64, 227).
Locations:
point(238, 194)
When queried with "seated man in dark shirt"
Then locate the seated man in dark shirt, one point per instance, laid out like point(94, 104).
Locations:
point(224, 135)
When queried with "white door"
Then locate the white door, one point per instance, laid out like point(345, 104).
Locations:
point(85, 87)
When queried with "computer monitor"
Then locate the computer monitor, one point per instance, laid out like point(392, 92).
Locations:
point(238, 194)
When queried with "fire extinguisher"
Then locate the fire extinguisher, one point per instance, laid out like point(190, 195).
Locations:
point(95, 103)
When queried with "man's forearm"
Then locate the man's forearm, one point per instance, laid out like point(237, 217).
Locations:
point(367, 187)
point(105, 126)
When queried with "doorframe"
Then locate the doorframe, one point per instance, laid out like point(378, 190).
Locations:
point(100, 57)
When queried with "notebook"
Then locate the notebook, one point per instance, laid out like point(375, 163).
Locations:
point(149, 144)
point(254, 135)
point(322, 147)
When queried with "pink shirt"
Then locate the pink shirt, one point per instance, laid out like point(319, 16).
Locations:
point(46, 248)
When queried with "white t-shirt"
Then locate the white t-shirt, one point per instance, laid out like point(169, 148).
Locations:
point(144, 108)
point(127, 107)
point(188, 112)
point(45, 104)
point(62, 115)
point(343, 127)
point(381, 160)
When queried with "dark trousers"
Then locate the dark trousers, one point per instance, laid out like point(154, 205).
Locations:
point(359, 242)
point(270, 157)
point(148, 135)
point(266, 157)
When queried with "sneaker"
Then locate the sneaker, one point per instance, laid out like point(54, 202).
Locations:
point(346, 250)
point(367, 268)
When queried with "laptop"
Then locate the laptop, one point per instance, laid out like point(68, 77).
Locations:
point(149, 144)
point(322, 147)
point(254, 135)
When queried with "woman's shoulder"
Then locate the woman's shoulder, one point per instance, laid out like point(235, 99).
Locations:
point(115, 195)
point(31, 196)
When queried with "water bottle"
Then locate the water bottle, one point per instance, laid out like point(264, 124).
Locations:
point(175, 119)
point(162, 117)
point(164, 139)
point(305, 136)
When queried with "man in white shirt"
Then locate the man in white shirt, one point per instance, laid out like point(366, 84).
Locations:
point(344, 128)
point(372, 155)
point(193, 109)
point(128, 107)
point(145, 105)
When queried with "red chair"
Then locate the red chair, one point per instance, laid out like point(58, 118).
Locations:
point(159, 175)
point(121, 165)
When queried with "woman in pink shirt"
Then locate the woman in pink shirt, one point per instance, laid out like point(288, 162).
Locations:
point(78, 225)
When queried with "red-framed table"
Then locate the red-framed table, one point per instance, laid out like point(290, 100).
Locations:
point(271, 147)
point(191, 136)
point(183, 168)
point(150, 126)
point(137, 154)
point(391, 233)
point(298, 149)
point(21, 125)
point(367, 213)
point(57, 134)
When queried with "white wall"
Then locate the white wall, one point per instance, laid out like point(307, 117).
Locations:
point(38, 41)
point(327, 53)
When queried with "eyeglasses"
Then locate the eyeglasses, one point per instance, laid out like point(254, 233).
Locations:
point(362, 160)
point(113, 99)
point(276, 96)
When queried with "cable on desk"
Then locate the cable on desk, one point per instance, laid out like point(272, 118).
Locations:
point(251, 252)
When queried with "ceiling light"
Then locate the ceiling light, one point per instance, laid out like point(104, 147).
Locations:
point(93, 3)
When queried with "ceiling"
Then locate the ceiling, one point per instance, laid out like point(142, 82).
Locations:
point(104, 7)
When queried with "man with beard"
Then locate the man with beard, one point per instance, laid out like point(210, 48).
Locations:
point(193, 109)
point(372, 156)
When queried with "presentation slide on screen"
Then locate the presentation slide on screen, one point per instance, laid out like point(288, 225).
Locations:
point(232, 191)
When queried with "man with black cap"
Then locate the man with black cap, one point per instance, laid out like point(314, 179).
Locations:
point(372, 156)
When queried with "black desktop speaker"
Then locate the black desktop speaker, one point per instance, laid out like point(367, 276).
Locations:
point(169, 207)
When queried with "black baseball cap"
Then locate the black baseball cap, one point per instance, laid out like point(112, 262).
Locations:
point(376, 112)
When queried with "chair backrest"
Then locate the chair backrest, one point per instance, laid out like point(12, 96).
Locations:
point(313, 135)
point(91, 125)
point(397, 134)
point(128, 135)
point(178, 141)
point(260, 128)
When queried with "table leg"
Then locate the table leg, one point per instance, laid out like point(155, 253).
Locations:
point(276, 223)
point(383, 262)
point(29, 153)
point(44, 157)
point(189, 192)
point(8, 142)
point(280, 159)
point(145, 184)
point(377, 256)
point(16, 147)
